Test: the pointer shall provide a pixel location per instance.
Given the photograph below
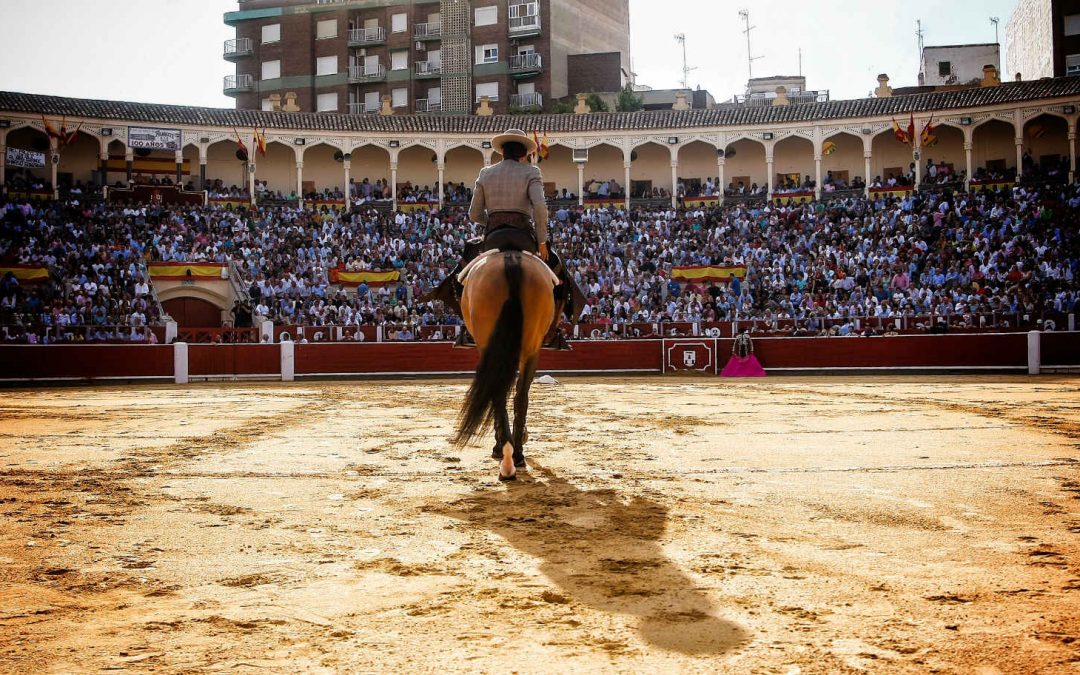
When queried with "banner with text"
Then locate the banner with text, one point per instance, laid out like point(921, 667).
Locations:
point(153, 139)
point(25, 159)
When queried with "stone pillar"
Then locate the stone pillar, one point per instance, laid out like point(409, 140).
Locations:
point(54, 164)
point(180, 362)
point(720, 177)
point(1034, 352)
point(918, 164)
point(441, 190)
point(1072, 154)
point(202, 168)
point(968, 147)
point(866, 179)
point(626, 183)
point(817, 175)
point(180, 167)
point(393, 183)
point(347, 164)
point(288, 361)
point(3, 161)
point(1019, 156)
point(251, 180)
point(129, 160)
point(769, 176)
point(581, 183)
point(487, 156)
point(674, 182)
point(300, 182)
point(103, 168)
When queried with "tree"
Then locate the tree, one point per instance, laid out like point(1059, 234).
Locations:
point(596, 104)
point(628, 100)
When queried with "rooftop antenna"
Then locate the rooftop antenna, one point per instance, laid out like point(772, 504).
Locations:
point(800, 61)
point(681, 38)
point(919, 34)
point(994, 20)
point(745, 14)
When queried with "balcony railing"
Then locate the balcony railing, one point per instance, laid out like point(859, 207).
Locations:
point(362, 108)
point(525, 63)
point(427, 31)
point(426, 105)
point(525, 18)
point(359, 73)
point(428, 68)
point(533, 100)
point(237, 48)
point(361, 37)
point(794, 97)
point(235, 84)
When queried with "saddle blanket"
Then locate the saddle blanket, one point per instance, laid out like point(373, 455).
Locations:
point(482, 258)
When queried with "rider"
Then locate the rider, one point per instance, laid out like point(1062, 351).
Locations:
point(505, 196)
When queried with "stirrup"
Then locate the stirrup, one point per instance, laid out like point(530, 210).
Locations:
point(464, 340)
point(557, 343)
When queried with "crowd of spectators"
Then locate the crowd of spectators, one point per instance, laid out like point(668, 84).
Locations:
point(1007, 253)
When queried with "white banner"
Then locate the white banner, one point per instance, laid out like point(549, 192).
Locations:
point(26, 159)
point(154, 139)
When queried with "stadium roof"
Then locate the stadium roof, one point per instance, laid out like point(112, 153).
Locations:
point(940, 101)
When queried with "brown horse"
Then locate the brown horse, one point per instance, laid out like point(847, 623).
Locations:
point(507, 305)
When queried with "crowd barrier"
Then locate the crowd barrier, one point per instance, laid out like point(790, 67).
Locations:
point(1031, 352)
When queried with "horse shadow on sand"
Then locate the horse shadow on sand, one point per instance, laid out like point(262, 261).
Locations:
point(603, 550)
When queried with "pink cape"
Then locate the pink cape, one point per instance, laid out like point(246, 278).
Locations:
point(746, 366)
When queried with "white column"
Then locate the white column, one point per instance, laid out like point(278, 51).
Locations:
point(3, 160)
point(674, 182)
point(1072, 154)
point(266, 328)
point(54, 164)
point(348, 168)
point(866, 178)
point(393, 183)
point(817, 175)
point(180, 362)
point(442, 173)
point(916, 156)
point(968, 147)
point(288, 360)
point(180, 168)
point(720, 177)
point(487, 157)
point(171, 330)
point(1034, 352)
point(1019, 156)
point(251, 179)
point(103, 165)
point(769, 168)
point(626, 183)
point(581, 183)
point(300, 182)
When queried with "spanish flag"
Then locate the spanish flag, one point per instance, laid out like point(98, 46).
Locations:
point(708, 273)
point(259, 141)
point(242, 152)
point(898, 131)
point(545, 149)
point(928, 139)
point(173, 271)
point(369, 277)
point(27, 274)
point(828, 148)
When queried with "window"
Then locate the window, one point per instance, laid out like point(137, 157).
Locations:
point(1072, 64)
point(486, 16)
point(398, 24)
point(267, 104)
point(487, 54)
point(399, 60)
point(326, 65)
point(271, 70)
point(434, 58)
point(526, 88)
point(327, 102)
point(1072, 24)
point(399, 98)
point(434, 95)
point(326, 29)
point(944, 68)
point(371, 101)
point(271, 33)
point(489, 89)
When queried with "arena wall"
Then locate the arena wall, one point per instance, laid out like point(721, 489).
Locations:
point(706, 355)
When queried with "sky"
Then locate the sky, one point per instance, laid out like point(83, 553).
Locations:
point(169, 51)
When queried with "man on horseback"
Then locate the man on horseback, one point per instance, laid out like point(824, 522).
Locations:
point(506, 195)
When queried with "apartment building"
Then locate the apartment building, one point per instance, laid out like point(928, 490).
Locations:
point(439, 56)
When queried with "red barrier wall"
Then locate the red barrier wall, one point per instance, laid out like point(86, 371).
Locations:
point(1061, 349)
point(231, 360)
point(50, 362)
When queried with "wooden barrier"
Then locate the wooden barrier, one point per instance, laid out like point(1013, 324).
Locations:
point(703, 354)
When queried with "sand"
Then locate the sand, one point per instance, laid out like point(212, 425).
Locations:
point(906, 524)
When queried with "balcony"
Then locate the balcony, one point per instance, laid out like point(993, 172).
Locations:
point(426, 105)
point(525, 64)
point(363, 109)
point(238, 48)
point(359, 74)
point(533, 100)
point(365, 37)
point(428, 68)
point(525, 19)
point(427, 31)
point(238, 84)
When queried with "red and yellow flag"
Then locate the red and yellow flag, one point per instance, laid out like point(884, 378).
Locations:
point(259, 141)
point(369, 277)
point(708, 272)
point(928, 139)
point(27, 274)
point(174, 271)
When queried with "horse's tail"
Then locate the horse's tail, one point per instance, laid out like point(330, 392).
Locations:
point(498, 364)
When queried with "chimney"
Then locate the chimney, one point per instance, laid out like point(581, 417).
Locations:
point(484, 109)
point(582, 107)
point(681, 102)
point(275, 102)
point(990, 76)
point(781, 96)
point(290, 102)
point(883, 89)
point(386, 108)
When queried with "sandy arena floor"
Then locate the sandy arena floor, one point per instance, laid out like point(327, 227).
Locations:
point(784, 526)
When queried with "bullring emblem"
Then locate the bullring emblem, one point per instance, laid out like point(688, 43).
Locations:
point(689, 358)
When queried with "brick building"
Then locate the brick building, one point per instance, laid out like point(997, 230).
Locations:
point(347, 56)
point(1042, 39)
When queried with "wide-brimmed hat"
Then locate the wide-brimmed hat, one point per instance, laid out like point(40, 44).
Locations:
point(513, 136)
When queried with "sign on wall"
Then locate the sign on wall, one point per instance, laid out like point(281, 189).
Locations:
point(153, 139)
point(26, 159)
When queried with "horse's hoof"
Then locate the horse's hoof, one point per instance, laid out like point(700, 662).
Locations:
point(506, 479)
point(520, 463)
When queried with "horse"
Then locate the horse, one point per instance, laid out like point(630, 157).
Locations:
point(507, 305)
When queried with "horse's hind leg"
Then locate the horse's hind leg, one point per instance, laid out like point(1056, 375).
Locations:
point(521, 409)
point(504, 452)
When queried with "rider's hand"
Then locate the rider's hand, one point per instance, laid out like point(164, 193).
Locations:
point(544, 251)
